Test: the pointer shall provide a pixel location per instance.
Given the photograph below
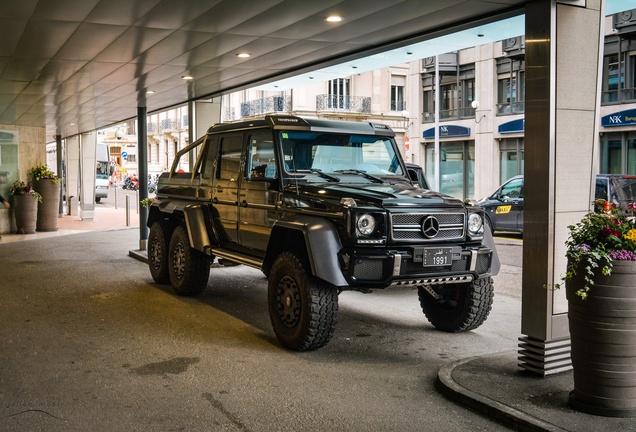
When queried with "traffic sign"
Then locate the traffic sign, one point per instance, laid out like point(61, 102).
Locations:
point(124, 154)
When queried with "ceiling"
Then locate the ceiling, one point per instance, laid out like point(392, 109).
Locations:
point(79, 65)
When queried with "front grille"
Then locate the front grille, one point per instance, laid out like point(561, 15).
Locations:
point(407, 227)
point(483, 263)
point(368, 269)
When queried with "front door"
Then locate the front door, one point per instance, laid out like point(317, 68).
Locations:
point(259, 192)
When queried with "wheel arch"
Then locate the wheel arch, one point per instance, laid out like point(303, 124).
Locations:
point(316, 238)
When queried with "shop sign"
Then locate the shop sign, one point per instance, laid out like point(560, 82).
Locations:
point(512, 126)
point(447, 132)
point(620, 118)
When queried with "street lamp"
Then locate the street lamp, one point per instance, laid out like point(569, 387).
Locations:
point(475, 106)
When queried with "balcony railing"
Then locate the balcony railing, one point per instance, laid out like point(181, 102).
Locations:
point(511, 108)
point(265, 105)
point(353, 104)
point(455, 113)
point(169, 124)
point(617, 96)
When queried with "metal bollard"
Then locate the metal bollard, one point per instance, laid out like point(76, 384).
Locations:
point(137, 200)
point(127, 210)
point(115, 195)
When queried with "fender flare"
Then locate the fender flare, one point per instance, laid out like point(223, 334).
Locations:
point(322, 244)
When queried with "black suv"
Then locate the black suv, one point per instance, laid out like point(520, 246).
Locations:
point(319, 206)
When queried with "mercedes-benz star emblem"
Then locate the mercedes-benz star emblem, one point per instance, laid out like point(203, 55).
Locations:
point(430, 226)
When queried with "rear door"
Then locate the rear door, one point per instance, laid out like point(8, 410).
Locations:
point(226, 189)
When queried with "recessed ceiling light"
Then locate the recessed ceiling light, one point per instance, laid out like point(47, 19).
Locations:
point(333, 18)
point(243, 55)
point(187, 77)
point(150, 92)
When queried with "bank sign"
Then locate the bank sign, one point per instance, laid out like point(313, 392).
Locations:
point(621, 118)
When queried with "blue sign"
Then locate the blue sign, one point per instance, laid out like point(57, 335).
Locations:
point(620, 118)
point(512, 126)
point(124, 154)
point(447, 132)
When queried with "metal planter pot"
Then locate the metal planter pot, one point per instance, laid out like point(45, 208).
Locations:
point(603, 337)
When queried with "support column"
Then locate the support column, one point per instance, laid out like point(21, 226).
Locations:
point(142, 164)
point(88, 159)
point(203, 114)
point(564, 41)
point(71, 173)
point(58, 149)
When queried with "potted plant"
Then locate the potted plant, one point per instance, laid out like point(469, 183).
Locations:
point(601, 292)
point(48, 185)
point(25, 206)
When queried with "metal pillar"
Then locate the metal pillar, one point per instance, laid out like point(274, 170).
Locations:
point(142, 164)
point(58, 149)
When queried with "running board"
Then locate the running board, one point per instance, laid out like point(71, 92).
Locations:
point(239, 259)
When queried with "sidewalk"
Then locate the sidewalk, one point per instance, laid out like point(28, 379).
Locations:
point(492, 385)
point(104, 219)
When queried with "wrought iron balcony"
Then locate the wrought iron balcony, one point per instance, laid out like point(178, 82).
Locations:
point(265, 105)
point(353, 104)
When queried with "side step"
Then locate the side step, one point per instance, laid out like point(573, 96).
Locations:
point(239, 259)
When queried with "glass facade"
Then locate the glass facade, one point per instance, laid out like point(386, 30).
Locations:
point(457, 168)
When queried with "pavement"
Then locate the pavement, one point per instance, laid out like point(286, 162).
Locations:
point(492, 385)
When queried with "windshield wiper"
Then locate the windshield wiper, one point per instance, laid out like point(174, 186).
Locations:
point(323, 175)
point(362, 173)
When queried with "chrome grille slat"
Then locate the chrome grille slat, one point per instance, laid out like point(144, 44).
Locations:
point(407, 227)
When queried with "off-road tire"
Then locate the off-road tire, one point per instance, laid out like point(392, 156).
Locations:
point(302, 308)
point(461, 306)
point(188, 268)
point(158, 241)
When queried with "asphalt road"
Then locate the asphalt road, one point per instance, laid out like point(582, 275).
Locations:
point(89, 342)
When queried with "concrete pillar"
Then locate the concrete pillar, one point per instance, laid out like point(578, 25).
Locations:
point(564, 41)
point(71, 174)
point(58, 149)
point(88, 159)
point(203, 114)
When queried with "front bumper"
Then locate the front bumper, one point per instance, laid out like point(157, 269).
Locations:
point(380, 269)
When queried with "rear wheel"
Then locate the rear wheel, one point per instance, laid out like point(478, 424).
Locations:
point(158, 241)
point(457, 307)
point(189, 269)
point(302, 308)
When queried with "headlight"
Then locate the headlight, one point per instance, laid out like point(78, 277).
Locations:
point(475, 224)
point(365, 224)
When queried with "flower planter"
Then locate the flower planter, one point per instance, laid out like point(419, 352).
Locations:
point(25, 210)
point(603, 338)
point(49, 207)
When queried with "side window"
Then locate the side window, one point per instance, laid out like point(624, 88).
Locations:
point(261, 159)
point(514, 189)
point(601, 189)
point(230, 156)
point(209, 165)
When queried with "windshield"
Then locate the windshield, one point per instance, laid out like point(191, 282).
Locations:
point(315, 153)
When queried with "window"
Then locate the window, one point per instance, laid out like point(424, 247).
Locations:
point(397, 98)
point(339, 93)
point(511, 86)
point(457, 91)
point(457, 168)
point(261, 159)
point(230, 161)
point(510, 158)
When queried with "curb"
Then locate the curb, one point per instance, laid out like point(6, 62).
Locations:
point(499, 412)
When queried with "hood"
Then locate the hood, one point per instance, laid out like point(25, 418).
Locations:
point(374, 194)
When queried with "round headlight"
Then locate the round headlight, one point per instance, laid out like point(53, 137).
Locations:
point(475, 223)
point(365, 224)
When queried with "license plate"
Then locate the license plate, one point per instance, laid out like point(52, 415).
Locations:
point(437, 257)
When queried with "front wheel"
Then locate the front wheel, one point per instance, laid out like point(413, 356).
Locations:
point(189, 269)
point(457, 307)
point(302, 308)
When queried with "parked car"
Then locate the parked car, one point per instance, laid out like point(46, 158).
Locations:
point(416, 174)
point(504, 207)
